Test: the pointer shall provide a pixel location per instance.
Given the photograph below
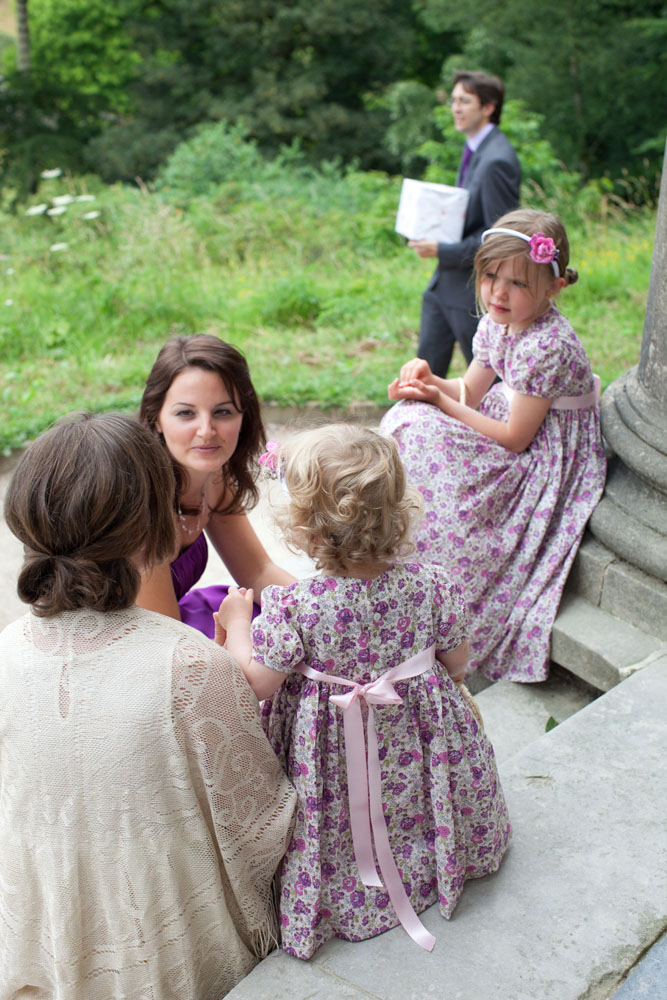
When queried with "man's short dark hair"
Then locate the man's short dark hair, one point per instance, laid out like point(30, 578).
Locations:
point(489, 89)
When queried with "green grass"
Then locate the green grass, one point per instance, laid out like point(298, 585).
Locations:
point(308, 279)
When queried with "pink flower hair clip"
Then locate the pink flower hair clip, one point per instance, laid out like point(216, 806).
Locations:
point(269, 460)
point(543, 250)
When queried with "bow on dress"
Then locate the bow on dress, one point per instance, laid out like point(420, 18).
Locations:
point(364, 782)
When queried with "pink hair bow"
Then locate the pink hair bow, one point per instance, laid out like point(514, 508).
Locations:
point(269, 460)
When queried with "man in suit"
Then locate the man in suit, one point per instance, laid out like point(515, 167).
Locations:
point(490, 171)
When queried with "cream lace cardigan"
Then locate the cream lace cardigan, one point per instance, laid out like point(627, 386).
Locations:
point(142, 812)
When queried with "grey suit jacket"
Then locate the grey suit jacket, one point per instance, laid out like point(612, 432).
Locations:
point(493, 178)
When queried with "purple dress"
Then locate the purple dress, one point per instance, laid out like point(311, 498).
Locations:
point(196, 604)
point(443, 804)
point(507, 526)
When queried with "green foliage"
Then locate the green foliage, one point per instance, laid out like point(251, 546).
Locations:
point(291, 301)
point(599, 80)
point(217, 154)
point(301, 270)
point(82, 64)
point(409, 105)
point(117, 87)
point(6, 43)
point(551, 723)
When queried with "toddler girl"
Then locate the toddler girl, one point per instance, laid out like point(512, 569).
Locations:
point(371, 643)
point(510, 473)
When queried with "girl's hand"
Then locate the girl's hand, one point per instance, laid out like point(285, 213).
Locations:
point(414, 389)
point(415, 368)
point(220, 634)
point(237, 606)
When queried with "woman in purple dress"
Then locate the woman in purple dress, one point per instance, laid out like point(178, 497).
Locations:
point(201, 405)
point(510, 473)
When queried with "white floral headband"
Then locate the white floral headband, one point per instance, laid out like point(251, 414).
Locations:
point(543, 250)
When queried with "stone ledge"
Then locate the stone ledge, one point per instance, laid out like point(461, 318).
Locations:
point(636, 597)
point(516, 714)
point(597, 647)
point(578, 898)
point(599, 576)
point(586, 578)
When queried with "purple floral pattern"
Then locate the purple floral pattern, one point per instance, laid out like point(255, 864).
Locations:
point(507, 526)
point(444, 807)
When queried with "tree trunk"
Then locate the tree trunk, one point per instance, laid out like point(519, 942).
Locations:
point(23, 61)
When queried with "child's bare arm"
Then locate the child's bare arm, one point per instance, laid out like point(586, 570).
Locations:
point(233, 618)
point(455, 661)
point(526, 415)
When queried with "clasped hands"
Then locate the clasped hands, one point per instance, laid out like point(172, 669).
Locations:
point(415, 382)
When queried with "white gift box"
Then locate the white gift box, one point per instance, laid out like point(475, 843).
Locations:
point(429, 211)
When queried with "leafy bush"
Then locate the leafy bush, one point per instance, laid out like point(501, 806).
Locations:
point(130, 150)
point(217, 154)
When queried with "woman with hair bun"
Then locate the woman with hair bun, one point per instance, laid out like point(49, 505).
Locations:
point(142, 811)
point(200, 403)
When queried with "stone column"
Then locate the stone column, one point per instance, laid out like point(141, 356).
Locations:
point(631, 518)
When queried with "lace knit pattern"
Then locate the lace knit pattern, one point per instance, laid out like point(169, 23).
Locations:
point(142, 812)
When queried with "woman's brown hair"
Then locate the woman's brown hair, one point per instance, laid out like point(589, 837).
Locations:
point(202, 350)
point(87, 498)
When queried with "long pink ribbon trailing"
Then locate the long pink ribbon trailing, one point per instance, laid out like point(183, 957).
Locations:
point(364, 782)
point(566, 402)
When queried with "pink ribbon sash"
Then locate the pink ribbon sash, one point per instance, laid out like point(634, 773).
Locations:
point(566, 402)
point(364, 781)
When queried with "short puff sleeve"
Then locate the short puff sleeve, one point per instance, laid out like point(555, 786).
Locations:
point(450, 613)
point(549, 361)
point(276, 638)
point(480, 343)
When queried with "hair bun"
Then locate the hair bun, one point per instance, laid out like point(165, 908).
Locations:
point(53, 583)
point(571, 275)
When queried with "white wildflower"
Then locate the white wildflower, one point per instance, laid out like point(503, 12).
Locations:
point(9, 302)
point(91, 215)
point(56, 247)
point(48, 174)
point(62, 199)
point(58, 210)
point(10, 270)
point(36, 210)
point(85, 197)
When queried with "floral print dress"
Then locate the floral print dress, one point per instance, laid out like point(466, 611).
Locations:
point(507, 526)
point(443, 804)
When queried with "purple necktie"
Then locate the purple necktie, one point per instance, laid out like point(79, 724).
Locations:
point(465, 160)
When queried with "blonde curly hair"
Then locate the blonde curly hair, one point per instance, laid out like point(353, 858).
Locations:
point(348, 499)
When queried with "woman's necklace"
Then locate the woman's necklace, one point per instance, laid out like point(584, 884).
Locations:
point(200, 514)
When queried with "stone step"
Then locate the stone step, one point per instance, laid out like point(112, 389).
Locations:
point(598, 647)
point(648, 979)
point(617, 587)
point(577, 900)
point(517, 714)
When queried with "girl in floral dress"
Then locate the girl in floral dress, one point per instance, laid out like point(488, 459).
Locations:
point(508, 488)
point(399, 800)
